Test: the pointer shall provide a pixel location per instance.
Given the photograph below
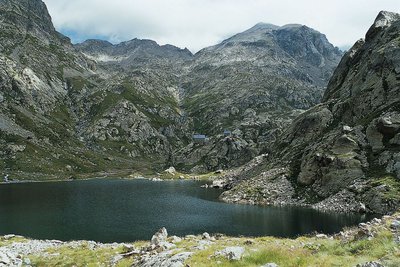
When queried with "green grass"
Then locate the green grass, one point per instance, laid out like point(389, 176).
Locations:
point(303, 251)
point(108, 101)
point(81, 256)
point(6, 242)
point(78, 83)
point(143, 102)
point(392, 184)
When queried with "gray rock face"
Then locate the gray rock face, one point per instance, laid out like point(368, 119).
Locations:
point(344, 151)
point(27, 15)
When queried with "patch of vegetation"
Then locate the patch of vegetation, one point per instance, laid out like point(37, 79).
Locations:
point(81, 256)
point(76, 84)
point(143, 102)
point(375, 114)
point(9, 241)
point(303, 251)
point(392, 185)
point(108, 101)
point(59, 52)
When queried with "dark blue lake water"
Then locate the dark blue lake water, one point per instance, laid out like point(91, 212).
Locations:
point(129, 210)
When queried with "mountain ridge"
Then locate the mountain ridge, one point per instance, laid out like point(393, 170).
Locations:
point(342, 154)
point(134, 106)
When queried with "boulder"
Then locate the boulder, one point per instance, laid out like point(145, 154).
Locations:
point(231, 253)
point(10, 236)
point(126, 248)
point(321, 236)
point(271, 264)
point(218, 184)
point(159, 237)
point(206, 236)
point(347, 129)
point(170, 170)
point(165, 259)
point(370, 264)
point(395, 225)
point(388, 126)
point(175, 239)
point(203, 244)
point(4, 259)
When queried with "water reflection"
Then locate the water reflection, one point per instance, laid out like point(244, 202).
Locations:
point(128, 210)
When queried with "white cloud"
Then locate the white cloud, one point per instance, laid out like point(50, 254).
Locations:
point(199, 23)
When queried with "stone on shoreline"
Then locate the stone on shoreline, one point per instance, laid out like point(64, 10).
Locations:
point(160, 236)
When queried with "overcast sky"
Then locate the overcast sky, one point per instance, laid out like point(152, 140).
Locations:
point(196, 24)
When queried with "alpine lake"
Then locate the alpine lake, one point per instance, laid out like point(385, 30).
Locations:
point(120, 210)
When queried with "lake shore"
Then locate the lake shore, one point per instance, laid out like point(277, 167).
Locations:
point(120, 174)
point(376, 241)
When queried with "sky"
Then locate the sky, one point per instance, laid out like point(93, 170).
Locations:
point(196, 24)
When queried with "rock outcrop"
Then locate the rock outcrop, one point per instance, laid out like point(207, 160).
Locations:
point(343, 154)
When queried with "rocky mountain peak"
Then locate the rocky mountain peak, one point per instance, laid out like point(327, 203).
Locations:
point(308, 44)
point(263, 26)
point(255, 33)
point(135, 51)
point(382, 21)
point(385, 19)
point(342, 152)
point(27, 16)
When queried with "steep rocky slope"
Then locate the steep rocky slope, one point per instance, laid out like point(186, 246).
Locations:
point(344, 153)
point(68, 110)
point(36, 133)
point(253, 84)
point(60, 116)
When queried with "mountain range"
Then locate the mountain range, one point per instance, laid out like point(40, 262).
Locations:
point(79, 110)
